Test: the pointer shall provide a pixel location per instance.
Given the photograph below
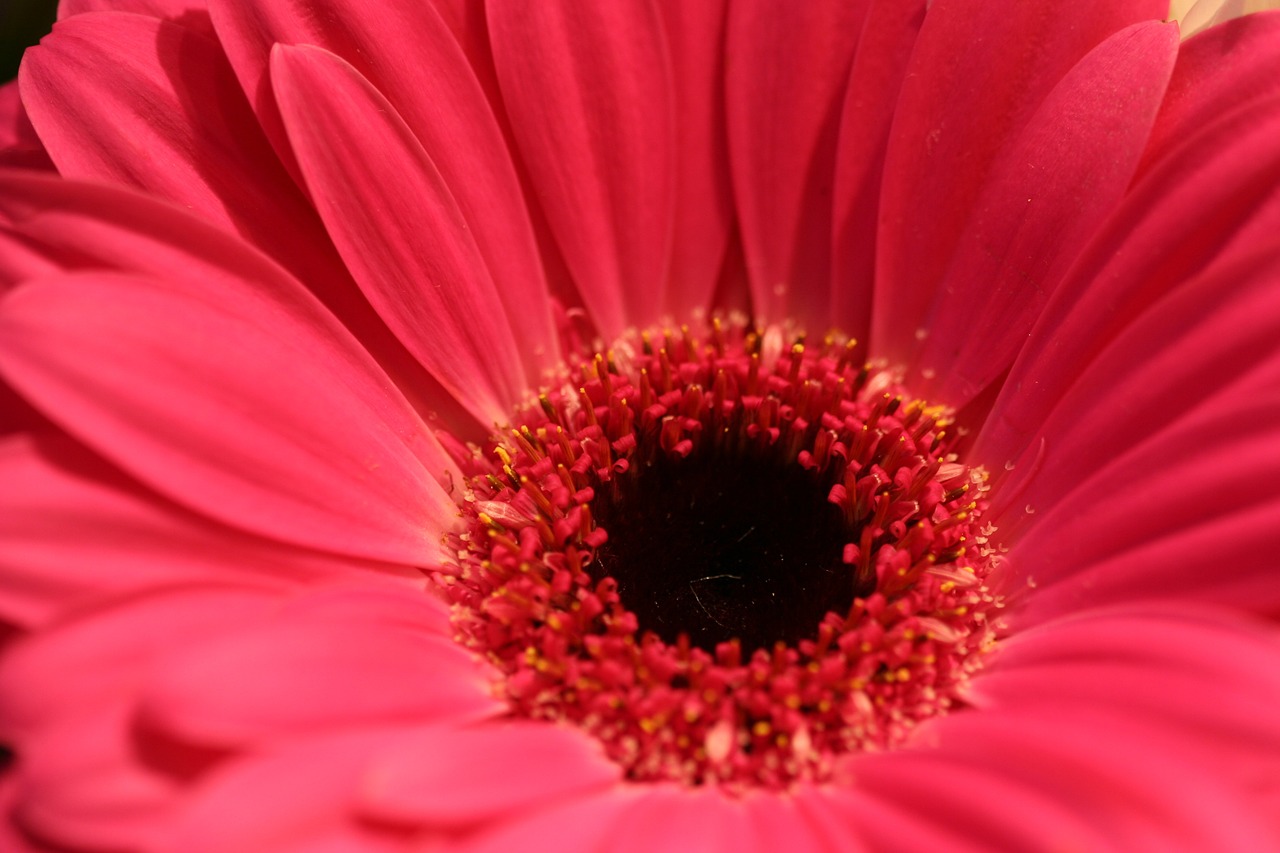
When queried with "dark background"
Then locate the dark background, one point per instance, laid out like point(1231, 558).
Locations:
point(22, 23)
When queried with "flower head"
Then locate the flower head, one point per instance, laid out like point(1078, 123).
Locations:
point(641, 425)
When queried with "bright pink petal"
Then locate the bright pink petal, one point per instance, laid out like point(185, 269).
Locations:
point(589, 91)
point(1155, 664)
point(1218, 71)
point(695, 37)
point(1043, 200)
point(73, 528)
point(235, 408)
point(22, 259)
point(380, 196)
point(1229, 320)
point(19, 144)
point(179, 11)
point(288, 800)
point(667, 817)
point(410, 56)
point(311, 670)
point(1211, 204)
point(779, 823)
point(579, 824)
point(1135, 786)
point(454, 778)
point(977, 75)
point(787, 66)
point(879, 65)
point(855, 820)
point(106, 86)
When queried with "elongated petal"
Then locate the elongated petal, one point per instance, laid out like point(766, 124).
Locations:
point(695, 38)
point(588, 89)
point(399, 228)
point(1211, 205)
point(303, 673)
point(247, 416)
point(581, 823)
point(787, 66)
point(879, 65)
point(19, 144)
point(98, 227)
point(409, 54)
point(1043, 200)
point(73, 528)
point(962, 105)
point(454, 778)
point(1219, 71)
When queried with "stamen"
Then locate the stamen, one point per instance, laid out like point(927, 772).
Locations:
point(730, 570)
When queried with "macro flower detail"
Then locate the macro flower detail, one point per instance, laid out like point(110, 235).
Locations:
point(640, 425)
point(728, 575)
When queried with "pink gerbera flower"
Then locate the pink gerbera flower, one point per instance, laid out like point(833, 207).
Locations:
point(641, 426)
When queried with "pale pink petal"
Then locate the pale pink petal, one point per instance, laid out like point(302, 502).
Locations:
point(977, 75)
point(409, 55)
point(232, 407)
point(1224, 68)
point(588, 88)
point(786, 69)
point(695, 38)
point(580, 824)
point(398, 228)
point(1211, 204)
point(323, 664)
point(73, 528)
point(455, 778)
point(888, 37)
point(1043, 200)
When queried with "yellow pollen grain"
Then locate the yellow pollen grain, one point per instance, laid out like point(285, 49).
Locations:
point(761, 729)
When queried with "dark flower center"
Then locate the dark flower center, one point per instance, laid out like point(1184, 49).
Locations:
point(719, 546)
point(729, 561)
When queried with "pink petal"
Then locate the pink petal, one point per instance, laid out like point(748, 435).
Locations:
point(787, 66)
point(409, 55)
point(879, 65)
point(695, 38)
point(311, 670)
point(578, 824)
point(445, 777)
point(237, 408)
point(22, 259)
point(1228, 318)
point(93, 226)
point(1155, 664)
point(292, 799)
point(1221, 69)
point(1043, 199)
point(379, 194)
point(589, 91)
point(19, 144)
point(668, 817)
point(1137, 787)
point(102, 654)
point(179, 11)
point(1211, 203)
point(97, 89)
point(978, 73)
point(73, 528)
point(1128, 534)
point(856, 820)
point(779, 823)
